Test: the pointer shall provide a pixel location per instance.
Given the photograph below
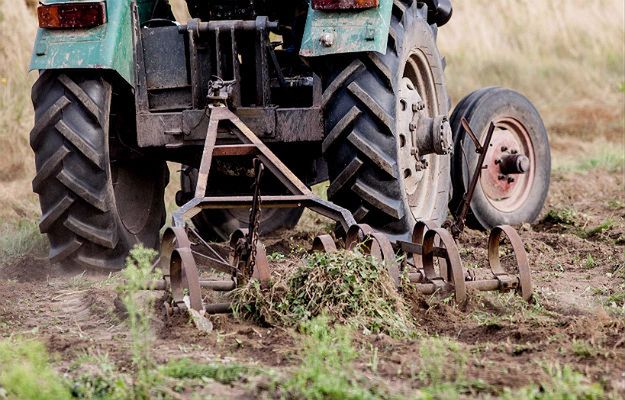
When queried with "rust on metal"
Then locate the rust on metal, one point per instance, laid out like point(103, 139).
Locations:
point(522, 262)
point(324, 243)
point(431, 245)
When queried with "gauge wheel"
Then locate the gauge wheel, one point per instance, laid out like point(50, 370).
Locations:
point(516, 172)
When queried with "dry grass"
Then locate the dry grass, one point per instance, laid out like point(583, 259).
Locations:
point(566, 55)
point(17, 32)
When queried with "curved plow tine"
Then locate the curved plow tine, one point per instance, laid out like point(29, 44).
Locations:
point(417, 238)
point(173, 238)
point(357, 234)
point(523, 282)
point(185, 279)
point(452, 267)
point(382, 250)
point(324, 243)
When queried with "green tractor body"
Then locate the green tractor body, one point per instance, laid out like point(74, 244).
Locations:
point(347, 91)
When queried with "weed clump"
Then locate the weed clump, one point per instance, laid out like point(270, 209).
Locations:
point(26, 373)
point(187, 369)
point(565, 383)
point(325, 371)
point(348, 287)
point(138, 271)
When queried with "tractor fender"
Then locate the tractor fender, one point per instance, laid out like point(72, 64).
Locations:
point(109, 46)
point(329, 32)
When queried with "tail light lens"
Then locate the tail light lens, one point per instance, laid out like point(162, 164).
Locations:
point(72, 15)
point(329, 5)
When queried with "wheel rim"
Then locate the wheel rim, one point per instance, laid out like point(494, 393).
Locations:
point(507, 192)
point(420, 180)
point(133, 185)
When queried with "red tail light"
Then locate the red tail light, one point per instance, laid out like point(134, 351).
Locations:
point(71, 15)
point(343, 4)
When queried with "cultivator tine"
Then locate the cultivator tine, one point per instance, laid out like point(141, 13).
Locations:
point(185, 279)
point(524, 281)
point(324, 243)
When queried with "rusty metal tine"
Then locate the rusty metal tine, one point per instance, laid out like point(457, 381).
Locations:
point(324, 243)
point(184, 275)
point(458, 226)
point(520, 255)
point(469, 130)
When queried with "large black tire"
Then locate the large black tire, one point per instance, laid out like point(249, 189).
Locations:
point(95, 207)
point(218, 225)
point(362, 147)
point(518, 123)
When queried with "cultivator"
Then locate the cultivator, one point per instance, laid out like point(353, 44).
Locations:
point(430, 262)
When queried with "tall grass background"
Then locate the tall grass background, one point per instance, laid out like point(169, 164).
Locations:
point(567, 56)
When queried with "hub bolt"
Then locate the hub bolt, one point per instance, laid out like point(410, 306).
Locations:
point(501, 177)
point(510, 179)
point(504, 148)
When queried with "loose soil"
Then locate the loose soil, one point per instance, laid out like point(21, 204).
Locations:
point(574, 269)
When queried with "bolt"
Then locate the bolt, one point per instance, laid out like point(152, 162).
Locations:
point(327, 39)
point(498, 161)
point(415, 107)
point(421, 106)
point(514, 151)
point(501, 177)
point(412, 127)
point(504, 148)
point(510, 179)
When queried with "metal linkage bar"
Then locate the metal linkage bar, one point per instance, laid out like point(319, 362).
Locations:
point(301, 195)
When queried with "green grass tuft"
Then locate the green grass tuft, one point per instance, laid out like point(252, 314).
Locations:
point(563, 216)
point(564, 384)
point(21, 238)
point(138, 271)
point(26, 373)
point(600, 229)
point(100, 380)
point(326, 371)
point(223, 373)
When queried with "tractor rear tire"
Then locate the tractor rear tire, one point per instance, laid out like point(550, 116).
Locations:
point(95, 207)
point(365, 146)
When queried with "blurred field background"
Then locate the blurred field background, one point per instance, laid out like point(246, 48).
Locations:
point(567, 56)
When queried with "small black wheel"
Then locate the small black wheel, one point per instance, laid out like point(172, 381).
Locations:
point(515, 180)
point(218, 225)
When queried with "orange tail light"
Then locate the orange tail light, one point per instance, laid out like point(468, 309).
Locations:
point(71, 15)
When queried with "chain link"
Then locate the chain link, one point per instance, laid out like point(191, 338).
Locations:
point(255, 218)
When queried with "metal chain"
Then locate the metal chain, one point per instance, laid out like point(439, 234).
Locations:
point(255, 211)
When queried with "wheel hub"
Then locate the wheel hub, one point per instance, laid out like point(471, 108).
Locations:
point(419, 136)
point(508, 167)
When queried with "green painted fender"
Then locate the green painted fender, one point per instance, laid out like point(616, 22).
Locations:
point(109, 46)
point(347, 32)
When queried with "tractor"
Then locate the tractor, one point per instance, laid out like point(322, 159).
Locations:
point(346, 91)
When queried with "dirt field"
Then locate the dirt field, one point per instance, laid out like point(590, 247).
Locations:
point(568, 344)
